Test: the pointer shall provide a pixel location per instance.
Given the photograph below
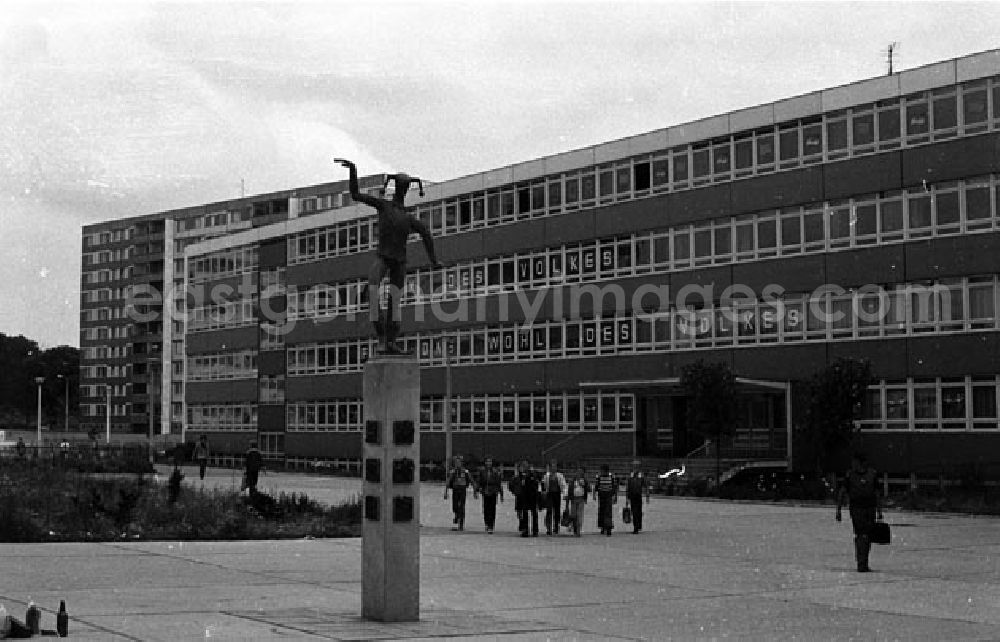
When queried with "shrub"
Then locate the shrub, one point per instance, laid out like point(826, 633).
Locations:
point(40, 503)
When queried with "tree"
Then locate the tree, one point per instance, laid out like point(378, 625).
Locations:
point(21, 360)
point(711, 391)
point(836, 396)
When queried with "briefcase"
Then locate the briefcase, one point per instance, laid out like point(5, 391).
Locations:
point(881, 533)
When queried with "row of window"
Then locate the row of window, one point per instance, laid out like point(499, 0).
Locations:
point(104, 294)
point(559, 411)
point(226, 416)
point(972, 205)
point(107, 256)
point(230, 314)
point(103, 314)
point(104, 352)
point(101, 410)
point(949, 305)
point(227, 262)
point(104, 333)
point(966, 403)
point(214, 219)
point(230, 365)
point(864, 129)
point(105, 276)
point(110, 236)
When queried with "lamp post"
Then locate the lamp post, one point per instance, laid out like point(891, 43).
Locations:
point(38, 439)
point(66, 379)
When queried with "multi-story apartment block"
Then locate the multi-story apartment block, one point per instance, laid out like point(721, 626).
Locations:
point(132, 312)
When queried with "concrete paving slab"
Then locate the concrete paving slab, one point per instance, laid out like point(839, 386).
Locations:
point(701, 570)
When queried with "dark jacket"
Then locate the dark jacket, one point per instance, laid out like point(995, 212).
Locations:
point(524, 488)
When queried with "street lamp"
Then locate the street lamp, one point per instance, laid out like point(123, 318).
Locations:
point(38, 439)
point(64, 377)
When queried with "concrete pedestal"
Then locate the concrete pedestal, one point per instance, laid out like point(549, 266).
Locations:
point(390, 581)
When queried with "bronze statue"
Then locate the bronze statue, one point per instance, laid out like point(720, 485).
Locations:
point(395, 224)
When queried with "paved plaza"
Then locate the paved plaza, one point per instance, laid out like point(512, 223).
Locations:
point(702, 570)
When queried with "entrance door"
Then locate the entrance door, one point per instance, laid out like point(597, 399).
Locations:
point(654, 432)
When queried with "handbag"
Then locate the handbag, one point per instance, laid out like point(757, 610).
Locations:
point(567, 519)
point(627, 514)
point(881, 533)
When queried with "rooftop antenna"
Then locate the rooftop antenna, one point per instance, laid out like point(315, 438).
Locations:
point(889, 53)
point(243, 185)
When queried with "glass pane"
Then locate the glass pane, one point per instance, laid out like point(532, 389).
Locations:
point(840, 223)
point(977, 202)
point(744, 237)
point(767, 233)
point(863, 126)
point(947, 208)
point(896, 405)
point(892, 216)
point(981, 302)
point(836, 135)
point(953, 402)
point(865, 220)
point(814, 226)
point(791, 230)
point(812, 140)
point(888, 124)
point(723, 241)
point(919, 210)
point(701, 163)
point(984, 402)
point(765, 149)
point(945, 113)
point(680, 167)
point(916, 119)
point(789, 144)
point(974, 107)
point(744, 154)
point(925, 403)
point(660, 172)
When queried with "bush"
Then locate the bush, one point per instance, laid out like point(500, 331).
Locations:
point(40, 503)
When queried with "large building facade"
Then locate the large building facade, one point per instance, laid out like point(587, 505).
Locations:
point(856, 221)
point(132, 303)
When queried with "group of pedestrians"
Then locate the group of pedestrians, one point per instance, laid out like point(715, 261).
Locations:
point(563, 498)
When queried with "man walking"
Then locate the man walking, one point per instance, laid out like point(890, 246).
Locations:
point(253, 461)
point(490, 484)
point(459, 480)
point(201, 456)
point(635, 487)
point(861, 490)
point(524, 488)
point(606, 494)
point(554, 486)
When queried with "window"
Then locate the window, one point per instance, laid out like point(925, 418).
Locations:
point(812, 141)
point(744, 155)
point(974, 104)
point(789, 145)
point(701, 163)
point(918, 209)
point(862, 130)
point(917, 119)
point(947, 214)
point(945, 113)
point(977, 203)
point(891, 216)
point(836, 135)
point(888, 124)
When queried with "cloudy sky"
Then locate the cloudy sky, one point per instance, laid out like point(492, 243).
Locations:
point(115, 110)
